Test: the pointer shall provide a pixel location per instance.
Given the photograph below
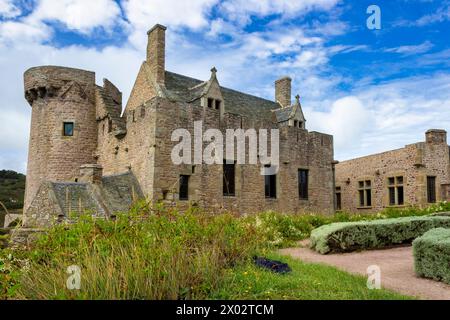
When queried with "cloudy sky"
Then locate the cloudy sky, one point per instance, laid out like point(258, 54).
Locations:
point(372, 89)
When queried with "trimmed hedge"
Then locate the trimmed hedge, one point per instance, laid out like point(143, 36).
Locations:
point(432, 255)
point(351, 236)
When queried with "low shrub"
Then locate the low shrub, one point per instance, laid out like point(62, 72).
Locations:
point(432, 255)
point(350, 236)
point(285, 230)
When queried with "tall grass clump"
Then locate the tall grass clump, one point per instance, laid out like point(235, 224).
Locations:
point(145, 254)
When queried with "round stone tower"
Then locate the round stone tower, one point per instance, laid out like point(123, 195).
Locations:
point(63, 134)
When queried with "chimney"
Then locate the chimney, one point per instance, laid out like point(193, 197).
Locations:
point(283, 91)
point(91, 173)
point(156, 52)
point(436, 136)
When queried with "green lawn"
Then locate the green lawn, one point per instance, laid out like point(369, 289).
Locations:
point(306, 282)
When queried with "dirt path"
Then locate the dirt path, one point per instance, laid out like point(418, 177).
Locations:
point(397, 269)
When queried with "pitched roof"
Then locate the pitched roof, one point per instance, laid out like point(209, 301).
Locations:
point(186, 89)
point(284, 114)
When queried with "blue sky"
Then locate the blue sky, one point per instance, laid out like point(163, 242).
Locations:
point(373, 90)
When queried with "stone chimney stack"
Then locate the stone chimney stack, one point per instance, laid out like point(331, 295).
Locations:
point(283, 91)
point(156, 52)
point(436, 136)
point(91, 173)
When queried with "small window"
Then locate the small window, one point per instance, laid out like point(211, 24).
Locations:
point(68, 129)
point(109, 125)
point(365, 193)
point(338, 199)
point(396, 191)
point(303, 184)
point(218, 103)
point(210, 102)
point(300, 124)
point(270, 184)
point(431, 189)
point(184, 187)
point(229, 171)
point(295, 123)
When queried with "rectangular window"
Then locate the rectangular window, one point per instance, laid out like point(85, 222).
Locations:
point(184, 187)
point(210, 102)
point(392, 196)
point(365, 193)
point(303, 184)
point(431, 189)
point(338, 199)
point(396, 191)
point(229, 171)
point(295, 123)
point(68, 129)
point(218, 102)
point(270, 183)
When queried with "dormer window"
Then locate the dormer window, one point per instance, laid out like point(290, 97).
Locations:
point(300, 124)
point(295, 123)
point(210, 102)
point(218, 103)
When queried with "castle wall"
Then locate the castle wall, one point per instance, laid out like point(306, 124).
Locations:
point(413, 162)
point(59, 95)
point(135, 151)
point(299, 149)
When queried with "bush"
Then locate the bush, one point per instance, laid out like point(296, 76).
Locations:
point(146, 255)
point(432, 255)
point(350, 236)
point(285, 230)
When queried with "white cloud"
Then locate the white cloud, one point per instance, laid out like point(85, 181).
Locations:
point(346, 120)
point(442, 14)
point(79, 15)
point(412, 49)
point(242, 10)
point(23, 32)
point(143, 14)
point(386, 116)
point(8, 9)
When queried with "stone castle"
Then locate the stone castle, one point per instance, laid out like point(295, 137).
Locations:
point(86, 153)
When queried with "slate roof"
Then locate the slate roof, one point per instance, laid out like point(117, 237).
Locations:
point(284, 114)
point(188, 89)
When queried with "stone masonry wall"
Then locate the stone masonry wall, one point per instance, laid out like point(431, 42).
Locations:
point(299, 150)
point(59, 95)
point(413, 162)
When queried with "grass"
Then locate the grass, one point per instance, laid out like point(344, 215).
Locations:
point(306, 282)
point(153, 252)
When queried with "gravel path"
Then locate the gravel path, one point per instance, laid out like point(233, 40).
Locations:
point(396, 264)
